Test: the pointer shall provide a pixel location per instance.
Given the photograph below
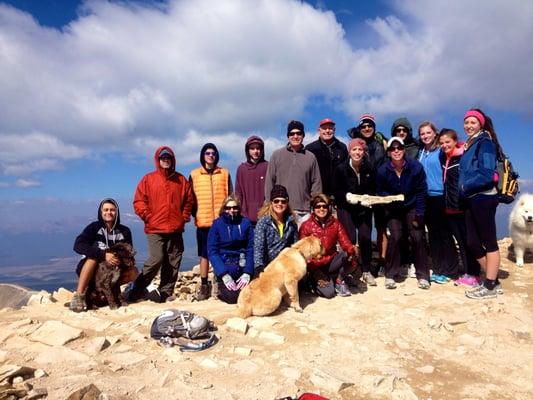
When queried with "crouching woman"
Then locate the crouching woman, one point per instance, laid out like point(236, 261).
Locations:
point(327, 274)
point(230, 249)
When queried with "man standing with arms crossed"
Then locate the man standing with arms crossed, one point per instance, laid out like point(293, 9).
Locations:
point(295, 168)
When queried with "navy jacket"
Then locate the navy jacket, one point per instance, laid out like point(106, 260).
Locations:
point(328, 158)
point(226, 240)
point(411, 183)
point(345, 180)
point(477, 166)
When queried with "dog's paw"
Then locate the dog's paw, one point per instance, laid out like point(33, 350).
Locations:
point(520, 262)
point(298, 309)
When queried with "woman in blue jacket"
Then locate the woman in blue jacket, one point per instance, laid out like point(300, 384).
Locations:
point(441, 245)
point(477, 185)
point(230, 249)
point(407, 177)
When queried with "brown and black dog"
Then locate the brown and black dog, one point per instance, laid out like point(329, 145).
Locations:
point(104, 288)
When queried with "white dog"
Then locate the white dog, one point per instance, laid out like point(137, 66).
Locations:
point(521, 227)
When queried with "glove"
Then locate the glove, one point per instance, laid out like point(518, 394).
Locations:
point(229, 282)
point(418, 222)
point(243, 280)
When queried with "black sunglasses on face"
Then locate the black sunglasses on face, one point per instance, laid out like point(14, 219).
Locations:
point(279, 201)
point(366, 126)
point(400, 130)
point(293, 133)
point(322, 206)
point(236, 208)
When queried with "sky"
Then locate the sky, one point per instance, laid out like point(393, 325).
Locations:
point(89, 89)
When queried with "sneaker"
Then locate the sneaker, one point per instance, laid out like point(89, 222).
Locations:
point(369, 279)
point(423, 284)
point(342, 289)
point(390, 284)
point(204, 292)
point(481, 293)
point(440, 279)
point(467, 280)
point(411, 271)
point(498, 288)
point(78, 304)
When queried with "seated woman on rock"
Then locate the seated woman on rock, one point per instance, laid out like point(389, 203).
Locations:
point(276, 228)
point(326, 275)
point(230, 250)
point(92, 244)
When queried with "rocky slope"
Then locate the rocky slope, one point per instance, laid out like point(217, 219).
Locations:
point(376, 344)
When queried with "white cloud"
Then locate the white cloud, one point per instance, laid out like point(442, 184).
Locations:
point(26, 183)
point(125, 77)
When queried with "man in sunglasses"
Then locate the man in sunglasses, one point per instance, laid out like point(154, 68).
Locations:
point(295, 168)
point(402, 128)
point(329, 152)
point(164, 201)
point(211, 184)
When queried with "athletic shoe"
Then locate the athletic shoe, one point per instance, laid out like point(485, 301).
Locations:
point(423, 284)
point(342, 289)
point(204, 292)
point(440, 279)
point(481, 293)
point(467, 280)
point(78, 304)
point(369, 279)
point(390, 284)
point(498, 288)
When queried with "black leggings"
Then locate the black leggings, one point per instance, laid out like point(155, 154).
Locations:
point(480, 218)
point(358, 226)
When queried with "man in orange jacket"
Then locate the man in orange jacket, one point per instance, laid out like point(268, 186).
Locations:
point(164, 201)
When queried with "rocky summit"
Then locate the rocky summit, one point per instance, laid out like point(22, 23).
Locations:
point(402, 344)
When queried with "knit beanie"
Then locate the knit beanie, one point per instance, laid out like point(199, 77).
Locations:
point(367, 119)
point(295, 125)
point(477, 115)
point(356, 142)
point(279, 191)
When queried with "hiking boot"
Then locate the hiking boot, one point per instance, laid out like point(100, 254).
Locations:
point(390, 284)
point(481, 293)
point(78, 304)
point(342, 289)
point(204, 292)
point(467, 280)
point(423, 284)
point(369, 279)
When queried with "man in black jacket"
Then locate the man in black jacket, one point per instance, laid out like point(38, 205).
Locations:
point(329, 152)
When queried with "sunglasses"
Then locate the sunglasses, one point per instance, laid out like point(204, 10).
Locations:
point(366, 126)
point(400, 130)
point(210, 153)
point(279, 201)
point(235, 208)
point(165, 158)
point(322, 206)
point(293, 133)
point(397, 148)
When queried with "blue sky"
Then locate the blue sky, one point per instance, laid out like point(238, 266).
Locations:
point(89, 89)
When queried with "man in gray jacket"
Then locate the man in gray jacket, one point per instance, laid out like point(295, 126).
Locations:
point(295, 168)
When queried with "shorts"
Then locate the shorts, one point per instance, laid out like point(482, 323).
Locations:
point(201, 240)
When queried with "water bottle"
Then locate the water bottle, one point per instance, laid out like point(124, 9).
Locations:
point(242, 260)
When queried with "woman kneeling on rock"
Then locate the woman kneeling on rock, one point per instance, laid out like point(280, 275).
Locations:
point(230, 250)
point(327, 274)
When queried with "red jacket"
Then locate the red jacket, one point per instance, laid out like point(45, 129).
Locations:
point(163, 199)
point(329, 234)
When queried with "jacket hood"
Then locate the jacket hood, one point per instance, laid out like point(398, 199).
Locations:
point(405, 123)
point(117, 217)
point(257, 140)
point(204, 149)
point(156, 159)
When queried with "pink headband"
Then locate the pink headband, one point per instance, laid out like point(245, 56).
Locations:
point(477, 115)
point(356, 142)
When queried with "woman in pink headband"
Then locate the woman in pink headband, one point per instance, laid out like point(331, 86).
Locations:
point(477, 186)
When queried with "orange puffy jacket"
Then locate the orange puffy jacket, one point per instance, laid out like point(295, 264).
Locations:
point(164, 199)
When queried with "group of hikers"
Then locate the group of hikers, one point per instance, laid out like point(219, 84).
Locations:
point(448, 189)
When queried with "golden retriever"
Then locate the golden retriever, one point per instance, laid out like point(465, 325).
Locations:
point(279, 280)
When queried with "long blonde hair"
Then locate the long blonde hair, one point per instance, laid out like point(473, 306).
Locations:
point(231, 197)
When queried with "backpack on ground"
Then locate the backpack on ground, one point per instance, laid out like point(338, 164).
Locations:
point(507, 185)
point(183, 329)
